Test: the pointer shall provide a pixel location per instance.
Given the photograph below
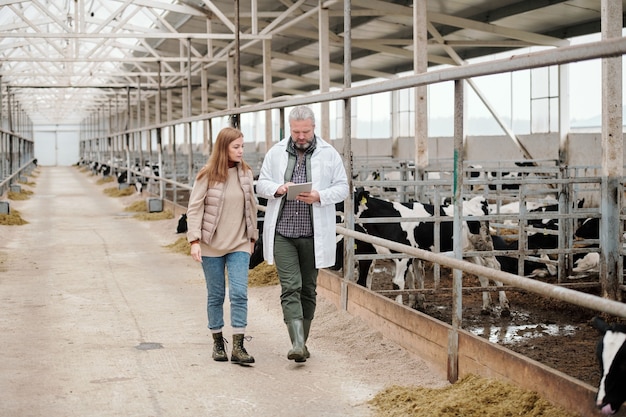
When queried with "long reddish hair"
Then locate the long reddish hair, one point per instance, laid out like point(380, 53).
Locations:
point(216, 167)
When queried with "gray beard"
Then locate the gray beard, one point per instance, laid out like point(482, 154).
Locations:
point(303, 147)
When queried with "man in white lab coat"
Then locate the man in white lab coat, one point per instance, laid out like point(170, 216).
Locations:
point(299, 234)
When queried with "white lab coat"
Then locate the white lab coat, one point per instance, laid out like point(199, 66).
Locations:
point(329, 179)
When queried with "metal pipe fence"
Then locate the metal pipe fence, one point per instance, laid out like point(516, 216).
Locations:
point(579, 298)
point(16, 156)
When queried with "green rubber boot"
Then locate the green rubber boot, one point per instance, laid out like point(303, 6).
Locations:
point(296, 334)
point(307, 328)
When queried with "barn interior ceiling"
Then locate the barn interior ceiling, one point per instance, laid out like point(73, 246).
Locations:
point(64, 60)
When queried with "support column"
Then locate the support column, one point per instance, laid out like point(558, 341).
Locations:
point(324, 69)
point(565, 195)
point(267, 91)
point(188, 113)
point(457, 275)
point(420, 63)
point(348, 242)
point(612, 155)
point(129, 116)
point(109, 134)
point(147, 133)
point(159, 133)
point(139, 134)
point(204, 106)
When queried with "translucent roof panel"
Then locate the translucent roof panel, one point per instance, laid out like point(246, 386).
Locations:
point(60, 58)
point(64, 60)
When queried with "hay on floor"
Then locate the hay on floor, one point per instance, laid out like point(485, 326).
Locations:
point(22, 195)
point(104, 180)
point(138, 206)
point(472, 396)
point(12, 219)
point(180, 246)
point(263, 275)
point(115, 192)
point(160, 215)
point(28, 183)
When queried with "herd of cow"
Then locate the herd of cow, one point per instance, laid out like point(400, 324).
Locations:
point(417, 226)
point(409, 272)
point(148, 171)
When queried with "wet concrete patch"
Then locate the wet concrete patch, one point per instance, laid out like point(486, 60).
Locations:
point(149, 346)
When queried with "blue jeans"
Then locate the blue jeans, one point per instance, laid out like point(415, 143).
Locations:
point(236, 263)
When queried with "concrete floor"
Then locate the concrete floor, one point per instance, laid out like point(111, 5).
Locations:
point(99, 319)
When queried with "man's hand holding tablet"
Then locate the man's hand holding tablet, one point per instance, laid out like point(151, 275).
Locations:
point(295, 189)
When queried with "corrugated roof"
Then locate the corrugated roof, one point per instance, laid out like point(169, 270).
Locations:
point(64, 60)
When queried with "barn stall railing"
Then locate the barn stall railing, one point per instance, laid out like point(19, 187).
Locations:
point(561, 221)
point(544, 289)
point(17, 156)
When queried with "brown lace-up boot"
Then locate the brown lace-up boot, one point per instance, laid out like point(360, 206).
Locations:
point(239, 354)
point(219, 353)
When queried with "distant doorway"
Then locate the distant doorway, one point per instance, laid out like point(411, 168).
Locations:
point(56, 148)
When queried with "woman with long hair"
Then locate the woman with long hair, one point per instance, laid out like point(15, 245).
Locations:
point(222, 229)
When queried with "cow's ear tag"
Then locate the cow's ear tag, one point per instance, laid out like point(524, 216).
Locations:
point(363, 200)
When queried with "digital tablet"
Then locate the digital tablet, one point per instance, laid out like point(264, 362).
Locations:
point(294, 190)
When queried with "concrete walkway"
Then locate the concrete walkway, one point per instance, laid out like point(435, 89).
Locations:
point(100, 319)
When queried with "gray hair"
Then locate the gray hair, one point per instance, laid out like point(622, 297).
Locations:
point(302, 113)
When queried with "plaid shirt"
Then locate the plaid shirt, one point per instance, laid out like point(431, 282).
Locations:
point(295, 219)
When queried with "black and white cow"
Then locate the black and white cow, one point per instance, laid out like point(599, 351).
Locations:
point(549, 222)
point(548, 206)
point(611, 353)
point(392, 175)
point(513, 208)
point(421, 234)
point(95, 167)
point(478, 172)
point(360, 248)
point(256, 257)
point(589, 229)
point(105, 170)
point(532, 269)
point(181, 226)
point(122, 177)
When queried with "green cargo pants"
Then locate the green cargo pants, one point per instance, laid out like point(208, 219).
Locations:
point(295, 264)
